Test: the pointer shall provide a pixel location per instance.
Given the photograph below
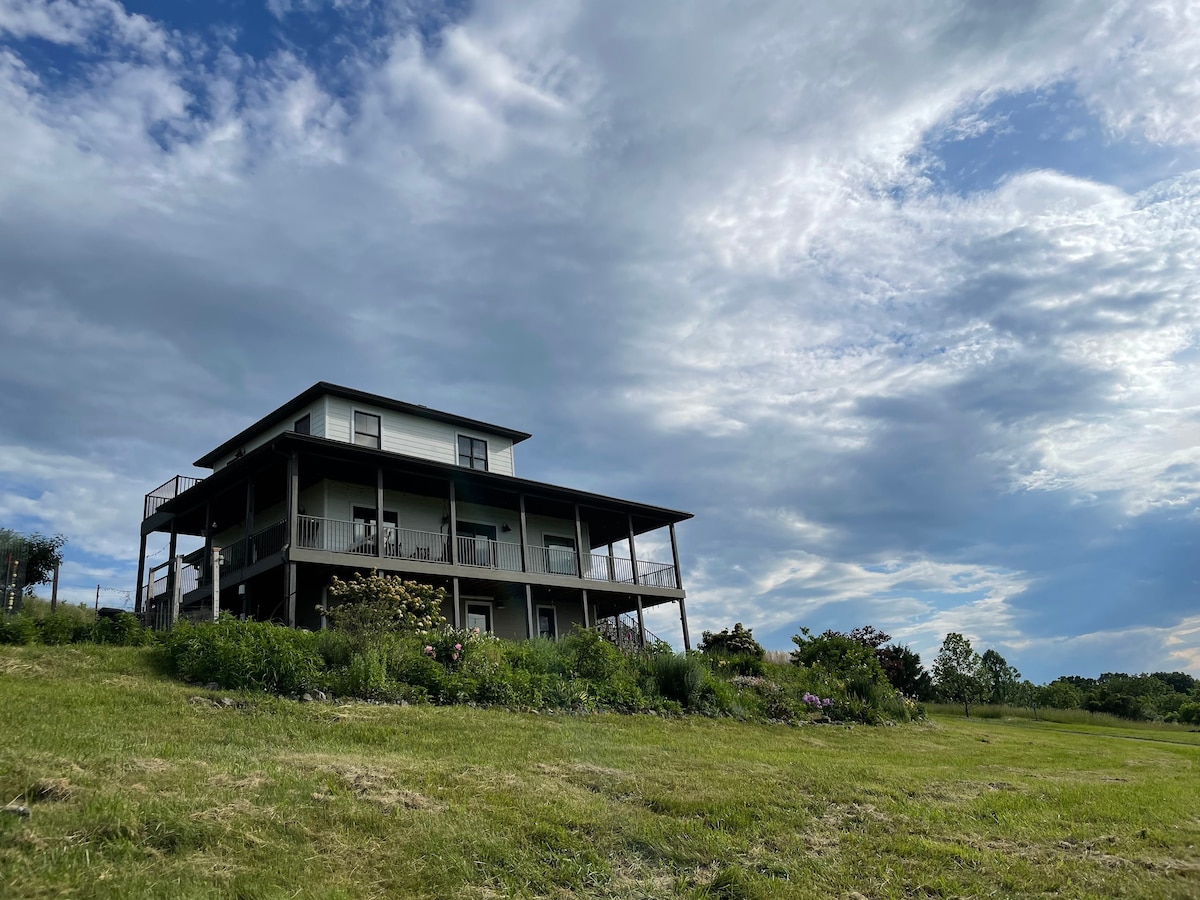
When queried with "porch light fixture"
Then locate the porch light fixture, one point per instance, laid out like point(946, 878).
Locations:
point(505, 528)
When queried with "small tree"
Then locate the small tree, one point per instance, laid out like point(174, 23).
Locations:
point(376, 604)
point(738, 642)
point(42, 555)
point(838, 654)
point(904, 670)
point(958, 672)
point(1000, 679)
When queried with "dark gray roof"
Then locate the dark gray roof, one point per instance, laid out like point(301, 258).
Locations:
point(322, 388)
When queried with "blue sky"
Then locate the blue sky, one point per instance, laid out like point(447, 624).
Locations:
point(901, 302)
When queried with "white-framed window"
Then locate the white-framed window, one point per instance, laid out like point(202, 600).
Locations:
point(478, 615)
point(560, 554)
point(472, 452)
point(367, 430)
point(547, 622)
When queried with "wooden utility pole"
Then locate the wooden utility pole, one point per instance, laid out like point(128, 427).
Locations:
point(54, 591)
point(97, 598)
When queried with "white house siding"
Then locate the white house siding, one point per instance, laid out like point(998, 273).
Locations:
point(316, 413)
point(414, 435)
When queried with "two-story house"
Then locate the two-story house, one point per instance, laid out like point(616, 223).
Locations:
point(337, 481)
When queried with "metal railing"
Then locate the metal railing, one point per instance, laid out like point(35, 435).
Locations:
point(260, 545)
point(168, 490)
point(189, 580)
point(361, 539)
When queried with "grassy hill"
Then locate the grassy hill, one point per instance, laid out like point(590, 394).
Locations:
point(139, 786)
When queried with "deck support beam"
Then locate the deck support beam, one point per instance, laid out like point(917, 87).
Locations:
point(632, 553)
point(585, 608)
point(379, 512)
point(137, 601)
point(524, 526)
point(641, 621)
point(529, 611)
point(453, 526)
point(687, 640)
point(457, 616)
point(578, 544)
point(293, 524)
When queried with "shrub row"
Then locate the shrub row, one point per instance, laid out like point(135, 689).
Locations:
point(581, 672)
point(68, 627)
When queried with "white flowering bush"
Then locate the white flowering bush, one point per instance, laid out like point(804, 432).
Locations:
point(374, 604)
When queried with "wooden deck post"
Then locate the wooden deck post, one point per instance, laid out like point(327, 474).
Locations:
point(379, 535)
point(453, 526)
point(529, 611)
point(641, 621)
point(290, 587)
point(578, 544)
point(632, 553)
point(675, 559)
point(585, 607)
point(687, 641)
point(137, 602)
point(524, 533)
point(248, 528)
point(457, 617)
point(171, 547)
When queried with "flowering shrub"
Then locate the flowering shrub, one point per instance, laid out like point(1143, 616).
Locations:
point(378, 604)
point(451, 646)
point(816, 702)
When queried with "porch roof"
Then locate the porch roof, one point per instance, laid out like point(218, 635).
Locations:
point(327, 459)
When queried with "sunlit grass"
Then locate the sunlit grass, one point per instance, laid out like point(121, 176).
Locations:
point(139, 786)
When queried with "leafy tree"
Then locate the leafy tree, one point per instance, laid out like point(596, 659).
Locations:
point(1180, 682)
point(42, 555)
point(958, 672)
point(903, 669)
point(1061, 693)
point(376, 604)
point(738, 642)
point(838, 654)
point(1000, 678)
point(868, 636)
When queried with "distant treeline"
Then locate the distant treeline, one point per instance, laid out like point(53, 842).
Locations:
point(960, 675)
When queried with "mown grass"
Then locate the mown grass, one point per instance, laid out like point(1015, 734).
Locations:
point(1061, 716)
point(138, 789)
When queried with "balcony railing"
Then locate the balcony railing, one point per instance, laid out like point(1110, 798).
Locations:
point(168, 490)
point(259, 545)
point(361, 539)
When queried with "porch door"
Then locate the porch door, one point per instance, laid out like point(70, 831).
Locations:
point(475, 543)
point(547, 622)
point(364, 527)
point(479, 615)
point(560, 555)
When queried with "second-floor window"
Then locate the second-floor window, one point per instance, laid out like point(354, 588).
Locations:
point(472, 452)
point(303, 425)
point(366, 430)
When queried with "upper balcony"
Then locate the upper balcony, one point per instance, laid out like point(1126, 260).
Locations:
point(359, 539)
point(168, 490)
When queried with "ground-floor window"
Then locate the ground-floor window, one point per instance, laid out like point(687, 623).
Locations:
point(479, 615)
point(547, 622)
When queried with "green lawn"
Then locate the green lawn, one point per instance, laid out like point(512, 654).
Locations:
point(135, 789)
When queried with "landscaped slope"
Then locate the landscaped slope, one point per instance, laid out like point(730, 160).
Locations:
point(141, 786)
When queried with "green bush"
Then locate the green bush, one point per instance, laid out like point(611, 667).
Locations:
point(739, 642)
point(677, 677)
point(245, 655)
point(123, 629)
point(18, 629)
point(372, 605)
point(58, 628)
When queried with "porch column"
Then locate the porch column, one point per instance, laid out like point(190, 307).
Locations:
point(632, 553)
point(171, 579)
point(249, 524)
point(641, 622)
point(208, 541)
point(457, 616)
point(453, 527)
point(578, 545)
point(585, 608)
point(176, 587)
point(293, 519)
point(293, 501)
point(379, 512)
point(524, 533)
point(612, 567)
point(529, 611)
point(137, 600)
point(290, 576)
point(687, 641)
point(678, 574)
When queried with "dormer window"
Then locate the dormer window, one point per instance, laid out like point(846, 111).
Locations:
point(366, 430)
point(472, 453)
